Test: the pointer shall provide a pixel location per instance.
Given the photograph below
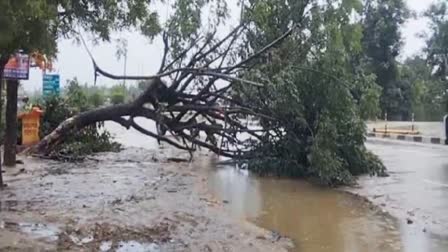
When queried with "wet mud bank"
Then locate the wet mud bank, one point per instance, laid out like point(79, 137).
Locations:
point(135, 200)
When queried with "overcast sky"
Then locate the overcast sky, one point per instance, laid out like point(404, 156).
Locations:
point(144, 57)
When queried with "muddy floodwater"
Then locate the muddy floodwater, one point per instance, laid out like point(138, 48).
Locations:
point(322, 219)
point(318, 219)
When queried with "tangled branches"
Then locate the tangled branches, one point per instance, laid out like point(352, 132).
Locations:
point(190, 97)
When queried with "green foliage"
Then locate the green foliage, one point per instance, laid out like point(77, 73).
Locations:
point(435, 100)
point(316, 94)
point(92, 139)
point(76, 97)
point(56, 110)
point(437, 43)
point(96, 99)
point(369, 99)
point(89, 140)
point(103, 17)
point(382, 43)
point(118, 94)
point(31, 25)
point(428, 92)
point(27, 25)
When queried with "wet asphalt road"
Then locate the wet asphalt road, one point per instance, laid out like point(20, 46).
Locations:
point(417, 189)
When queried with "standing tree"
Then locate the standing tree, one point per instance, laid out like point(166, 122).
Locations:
point(428, 92)
point(23, 27)
point(35, 25)
point(437, 43)
point(382, 43)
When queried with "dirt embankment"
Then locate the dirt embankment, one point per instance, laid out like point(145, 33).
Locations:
point(135, 200)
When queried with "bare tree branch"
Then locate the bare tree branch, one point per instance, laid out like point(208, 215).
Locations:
point(179, 111)
point(165, 52)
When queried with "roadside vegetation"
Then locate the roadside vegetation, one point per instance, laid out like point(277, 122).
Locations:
point(74, 100)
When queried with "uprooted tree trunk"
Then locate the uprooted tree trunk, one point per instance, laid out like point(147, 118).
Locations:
point(110, 113)
point(191, 102)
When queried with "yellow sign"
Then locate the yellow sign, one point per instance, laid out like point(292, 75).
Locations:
point(30, 126)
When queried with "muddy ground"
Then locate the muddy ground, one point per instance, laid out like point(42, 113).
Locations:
point(135, 200)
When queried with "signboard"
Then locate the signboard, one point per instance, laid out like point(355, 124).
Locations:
point(17, 68)
point(51, 85)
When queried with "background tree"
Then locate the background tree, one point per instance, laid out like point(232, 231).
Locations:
point(24, 26)
point(117, 94)
point(437, 42)
point(96, 98)
point(437, 46)
point(428, 92)
point(34, 25)
point(382, 43)
point(76, 96)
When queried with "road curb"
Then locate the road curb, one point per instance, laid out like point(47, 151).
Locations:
point(416, 139)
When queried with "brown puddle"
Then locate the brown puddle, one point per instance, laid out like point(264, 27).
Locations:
point(317, 219)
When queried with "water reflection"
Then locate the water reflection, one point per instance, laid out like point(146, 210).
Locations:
point(317, 219)
point(242, 194)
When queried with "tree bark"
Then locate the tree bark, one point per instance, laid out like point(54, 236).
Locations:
point(11, 123)
point(110, 113)
point(3, 61)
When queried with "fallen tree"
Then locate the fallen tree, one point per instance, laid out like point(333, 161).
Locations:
point(195, 83)
point(300, 74)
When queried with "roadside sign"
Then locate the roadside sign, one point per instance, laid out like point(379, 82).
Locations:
point(30, 126)
point(18, 67)
point(51, 85)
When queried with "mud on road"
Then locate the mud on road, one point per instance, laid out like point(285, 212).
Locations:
point(135, 200)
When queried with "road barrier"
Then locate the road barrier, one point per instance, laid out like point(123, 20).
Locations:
point(411, 138)
point(396, 131)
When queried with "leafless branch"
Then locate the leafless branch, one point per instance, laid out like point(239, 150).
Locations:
point(193, 103)
point(165, 51)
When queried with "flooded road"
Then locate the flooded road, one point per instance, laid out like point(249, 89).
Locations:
point(114, 200)
point(318, 219)
point(136, 200)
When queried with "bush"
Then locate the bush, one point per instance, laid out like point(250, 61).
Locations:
point(96, 99)
point(118, 95)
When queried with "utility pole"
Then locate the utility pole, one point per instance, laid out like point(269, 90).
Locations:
point(125, 62)
point(3, 61)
